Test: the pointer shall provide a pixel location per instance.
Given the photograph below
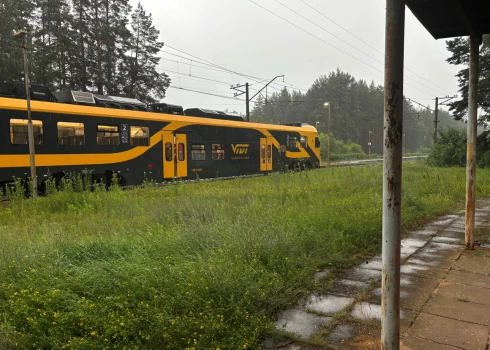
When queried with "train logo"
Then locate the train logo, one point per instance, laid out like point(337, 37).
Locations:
point(240, 148)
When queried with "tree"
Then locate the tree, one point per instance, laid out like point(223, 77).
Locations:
point(139, 76)
point(459, 49)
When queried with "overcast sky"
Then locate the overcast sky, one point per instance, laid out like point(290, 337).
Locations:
point(240, 36)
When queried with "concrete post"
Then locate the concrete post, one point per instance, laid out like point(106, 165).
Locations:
point(471, 144)
point(392, 173)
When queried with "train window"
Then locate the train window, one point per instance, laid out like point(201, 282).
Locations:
point(18, 131)
point(181, 152)
point(304, 141)
point(317, 142)
point(218, 151)
point(262, 151)
point(168, 152)
point(140, 136)
point(71, 134)
point(293, 142)
point(269, 151)
point(198, 152)
point(107, 135)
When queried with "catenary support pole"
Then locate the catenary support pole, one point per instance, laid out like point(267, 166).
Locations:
point(247, 103)
point(471, 144)
point(30, 130)
point(436, 112)
point(329, 135)
point(392, 173)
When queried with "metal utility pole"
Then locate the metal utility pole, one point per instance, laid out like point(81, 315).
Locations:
point(246, 92)
point(392, 174)
point(327, 104)
point(436, 110)
point(436, 113)
point(475, 41)
point(30, 131)
point(369, 142)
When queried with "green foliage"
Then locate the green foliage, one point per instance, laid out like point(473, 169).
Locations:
point(450, 149)
point(337, 146)
point(193, 266)
point(460, 51)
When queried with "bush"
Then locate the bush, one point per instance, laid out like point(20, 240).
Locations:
point(450, 149)
point(338, 146)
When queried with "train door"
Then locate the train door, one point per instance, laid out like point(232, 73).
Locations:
point(266, 154)
point(174, 155)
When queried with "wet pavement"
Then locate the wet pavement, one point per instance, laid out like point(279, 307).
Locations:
point(445, 296)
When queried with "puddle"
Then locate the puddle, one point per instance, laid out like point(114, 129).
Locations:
point(375, 264)
point(443, 222)
point(449, 240)
point(343, 332)
point(366, 311)
point(412, 242)
point(319, 275)
point(300, 322)
point(328, 304)
point(425, 232)
point(407, 251)
point(412, 269)
point(364, 275)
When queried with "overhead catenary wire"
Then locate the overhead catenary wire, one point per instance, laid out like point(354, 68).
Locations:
point(375, 49)
point(350, 45)
point(327, 43)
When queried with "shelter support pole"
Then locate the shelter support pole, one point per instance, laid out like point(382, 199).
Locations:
point(475, 41)
point(392, 173)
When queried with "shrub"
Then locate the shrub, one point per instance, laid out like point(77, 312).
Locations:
point(450, 149)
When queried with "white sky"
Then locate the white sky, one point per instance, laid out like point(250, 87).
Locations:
point(240, 36)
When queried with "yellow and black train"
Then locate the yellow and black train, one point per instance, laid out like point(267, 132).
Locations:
point(107, 135)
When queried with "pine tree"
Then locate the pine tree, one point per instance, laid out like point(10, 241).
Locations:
point(138, 74)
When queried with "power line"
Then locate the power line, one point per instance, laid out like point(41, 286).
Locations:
point(327, 43)
point(206, 93)
point(375, 49)
point(352, 46)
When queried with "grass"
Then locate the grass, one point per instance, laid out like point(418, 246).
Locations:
point(200, 266)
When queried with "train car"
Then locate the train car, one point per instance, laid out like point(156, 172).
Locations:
point(80, 132)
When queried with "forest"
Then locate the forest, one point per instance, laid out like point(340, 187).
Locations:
point(91, 45)
point(357, 111)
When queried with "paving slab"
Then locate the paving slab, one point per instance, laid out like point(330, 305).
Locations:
point(456, 233)
point(347, 287)
point(364, 275)
point(468, 278)
point(458, 310)
point(301, 323)
point(414, 343)
point(427, 231)
point(478, 251)
point(473, 263)
point(450, 332)
point(342, 333)
point(366, 311)
point(463, 292)
point(443, 221)
point(328, 304)
point(449, 240)
point(418, 293)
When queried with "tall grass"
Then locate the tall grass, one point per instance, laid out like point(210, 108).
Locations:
point(201, 266)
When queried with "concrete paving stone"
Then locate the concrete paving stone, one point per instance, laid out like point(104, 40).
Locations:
point(449, 332)
point(407, 317)
point(448, 240)
point(463, 292)
point(301, 323)
point(443, 221)
point(473, 263)
point(366, 311)
point(442, 246)
point(373, 264)
point(458, 310)
point(414, 343)
point(418, 292)
point(433, 251)
point(413, 242)
point(342, 333)
point(427, 231)
point(347, 287)
point(328, 304)
point(406, 251)
point(363, 275)
point(478, 251)
point(456, 233)
point(412, 268)
point(434, 261)
point(468, 278)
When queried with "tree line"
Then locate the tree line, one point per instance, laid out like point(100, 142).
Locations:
point(102, 46)
point(357, 112)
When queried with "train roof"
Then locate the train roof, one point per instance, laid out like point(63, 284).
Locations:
point(90, 110)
